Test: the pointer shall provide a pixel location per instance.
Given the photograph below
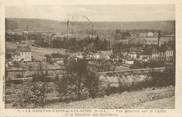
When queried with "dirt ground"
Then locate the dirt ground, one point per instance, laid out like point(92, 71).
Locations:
point(161, 103)
point(159, 98)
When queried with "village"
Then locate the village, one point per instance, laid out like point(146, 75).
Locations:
point(72, 66)
point(131, 49)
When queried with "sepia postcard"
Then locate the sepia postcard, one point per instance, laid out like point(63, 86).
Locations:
point(90, 58)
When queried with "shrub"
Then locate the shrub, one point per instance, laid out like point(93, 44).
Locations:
point(163, 79)
point(92, 83)
point(79, 82)
point(32, 95)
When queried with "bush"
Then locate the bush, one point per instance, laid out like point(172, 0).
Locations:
point(32, 95)
point(79, 82)
point(92, 83)
point(163, 79)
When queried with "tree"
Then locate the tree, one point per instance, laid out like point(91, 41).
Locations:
point(78, 80)
point(92, 83)
point(48, 58)
point(165, 78)
point(78, 69)
point(32, 95)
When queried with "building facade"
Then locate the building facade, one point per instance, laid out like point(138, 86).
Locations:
point(145, 37)
point(166, 38)
point(22, 53)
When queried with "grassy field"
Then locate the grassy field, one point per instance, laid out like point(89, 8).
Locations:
point(37, 52)
point(160, 98)
point(147, 98)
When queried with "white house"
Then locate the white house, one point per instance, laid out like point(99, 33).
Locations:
point(132, 55)
point(22, 53)
point(96, 56)
point(128, 61)
point(155, 56)
point(105, 54)
point(169, 54)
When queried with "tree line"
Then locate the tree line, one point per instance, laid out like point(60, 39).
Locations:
point(74, 44)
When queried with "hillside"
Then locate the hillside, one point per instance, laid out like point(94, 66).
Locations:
point(160, 98)
point(20, 24)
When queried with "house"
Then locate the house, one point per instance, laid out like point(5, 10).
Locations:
point(169, 54)
point(158, 56)
point(132, 55)
point(124, 41)
point(155, 55)
point(93, 36)
point(145, 57)
point(22, 53)
point(128, 61)
point(150, 37)
point(57, 60)
point(95, 56)
point(162, 56)
point(101, 55)
point(78, 55)
point(166, 38)
point(105, 54)
point(124, 54)
point(62, 36)
point(146, 37)
point(60, 61)
point(151, 40)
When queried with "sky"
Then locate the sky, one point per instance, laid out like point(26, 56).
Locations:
point(126, 12)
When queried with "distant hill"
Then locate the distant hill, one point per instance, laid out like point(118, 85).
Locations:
point(21, 24)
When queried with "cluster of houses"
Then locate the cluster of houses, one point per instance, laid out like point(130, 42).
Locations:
point(22, 53)
point(145, 37)
point(154, 55)
point(130, 57)
point(96, 56)
point(100, 60)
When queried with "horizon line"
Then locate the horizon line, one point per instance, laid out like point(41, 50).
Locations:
point(91, 20)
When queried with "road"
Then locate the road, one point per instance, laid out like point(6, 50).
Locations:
point(133, 70)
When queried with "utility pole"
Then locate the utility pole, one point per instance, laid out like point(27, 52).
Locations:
point(26, 35)
point(92, 29)
point(159, 39)
point(67, 26)
point(92, 25)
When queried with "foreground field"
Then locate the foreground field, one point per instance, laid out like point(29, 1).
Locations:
point(160, 98)
point(166, 103)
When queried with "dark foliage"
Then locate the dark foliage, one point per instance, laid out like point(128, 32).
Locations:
point(79, 82)
point(32, 95)
point(163, 79)
point(73, 44)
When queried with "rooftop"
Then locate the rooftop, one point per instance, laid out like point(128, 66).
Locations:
point(23, 49)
